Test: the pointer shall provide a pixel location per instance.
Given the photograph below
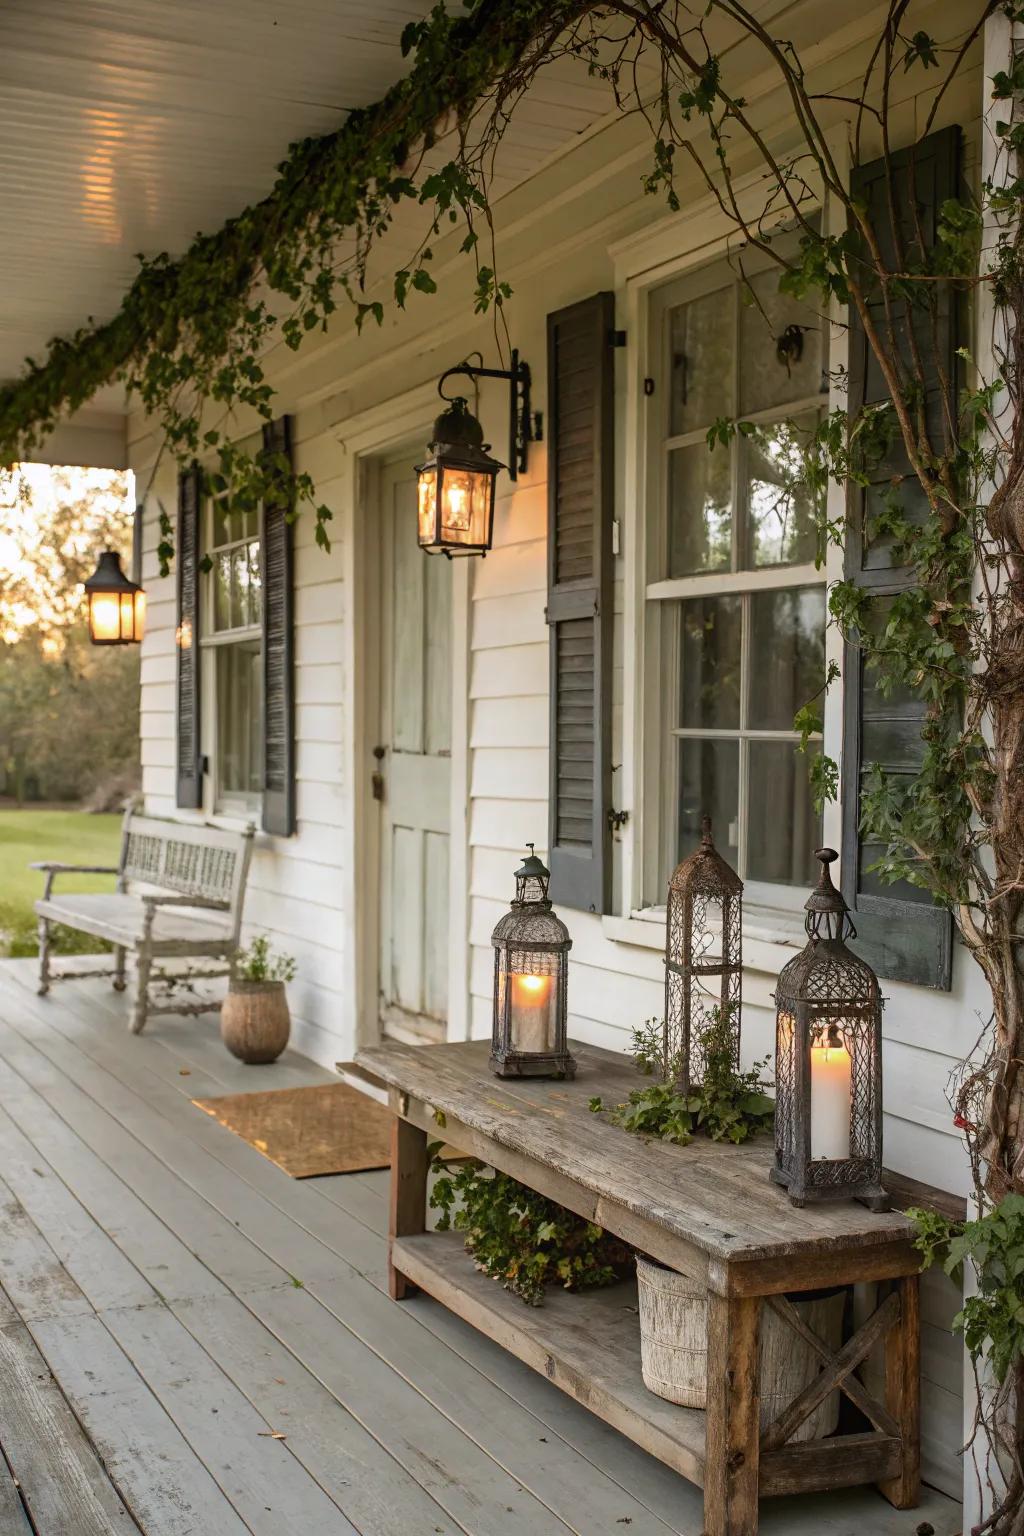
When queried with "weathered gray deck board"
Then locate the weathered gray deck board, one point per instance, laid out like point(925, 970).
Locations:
point(62, 1483)
point(362, 1307)
point(496, 1412)
point(407, 1419)
point(362, 1365)
point(13, 1519)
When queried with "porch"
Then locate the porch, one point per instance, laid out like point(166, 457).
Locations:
point(222, 1335)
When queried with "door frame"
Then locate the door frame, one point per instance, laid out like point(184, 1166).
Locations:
point(368, 439)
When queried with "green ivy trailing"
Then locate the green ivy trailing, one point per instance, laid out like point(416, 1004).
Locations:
point(520, 1238)
point(992, 1320)
point(727, 1106)
point(190, 337)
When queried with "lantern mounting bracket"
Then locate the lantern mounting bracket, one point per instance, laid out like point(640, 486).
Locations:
point(522, 430)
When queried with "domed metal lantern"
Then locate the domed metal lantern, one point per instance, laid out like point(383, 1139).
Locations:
point(531, 963)
point(703, 957)
point(117, 606)
point(828, 1062)
point(455, 487)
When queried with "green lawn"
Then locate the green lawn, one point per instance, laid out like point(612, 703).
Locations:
point(74, 837)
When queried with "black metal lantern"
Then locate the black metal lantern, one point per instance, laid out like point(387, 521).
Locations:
point(828, 1062)
point(531, 964)
point(455, 486)
point(703, 957)
point(117, 606)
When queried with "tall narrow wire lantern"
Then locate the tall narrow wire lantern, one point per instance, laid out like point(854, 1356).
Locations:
point(828, 1061)
point(703, 957)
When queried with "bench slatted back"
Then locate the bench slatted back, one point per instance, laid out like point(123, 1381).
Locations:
point(190, 859)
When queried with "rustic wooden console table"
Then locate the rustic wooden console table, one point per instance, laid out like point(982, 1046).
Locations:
point(707, 1210)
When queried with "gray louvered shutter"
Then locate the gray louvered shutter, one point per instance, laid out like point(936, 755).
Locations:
point(579, 612)
point(190, 761)
point(278, 651)
point(899, 930)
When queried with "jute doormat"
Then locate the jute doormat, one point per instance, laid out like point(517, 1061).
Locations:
point(329, 1128)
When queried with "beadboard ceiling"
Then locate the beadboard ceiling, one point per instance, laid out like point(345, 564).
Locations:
point(127, 126)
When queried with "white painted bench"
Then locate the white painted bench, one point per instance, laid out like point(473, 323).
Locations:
point(195, 911)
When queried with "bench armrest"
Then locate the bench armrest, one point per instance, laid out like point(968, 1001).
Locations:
point(51, 868)
point(186, 901)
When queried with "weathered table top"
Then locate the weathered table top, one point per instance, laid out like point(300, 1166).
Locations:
point(714, 1196)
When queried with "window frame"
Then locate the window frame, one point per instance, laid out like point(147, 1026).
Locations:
point(658, 597)
point(231, 805)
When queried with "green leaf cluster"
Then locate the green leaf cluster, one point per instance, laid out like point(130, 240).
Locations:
point(992, 1320)
point(520, 1238)
point(260, 963)
point(728, 1105)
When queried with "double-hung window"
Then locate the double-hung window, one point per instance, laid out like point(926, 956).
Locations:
point(233, 654)
point(735, 608)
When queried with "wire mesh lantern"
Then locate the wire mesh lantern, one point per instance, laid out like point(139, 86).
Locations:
point(531, 964)
point(703, 958)
point(828, 1061)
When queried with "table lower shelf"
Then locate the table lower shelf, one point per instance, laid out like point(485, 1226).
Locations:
point(589, 1345)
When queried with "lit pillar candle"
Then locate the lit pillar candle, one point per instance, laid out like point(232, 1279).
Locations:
point(830, 1098)
point(531, 1010)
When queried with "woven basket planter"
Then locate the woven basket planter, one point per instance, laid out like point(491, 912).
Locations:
point(254, 1020)
point(674, 1347)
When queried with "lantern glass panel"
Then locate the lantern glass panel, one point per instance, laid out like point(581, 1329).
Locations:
point(532, 981)
point(427, 504)
point(465, 505)
point(104, 617)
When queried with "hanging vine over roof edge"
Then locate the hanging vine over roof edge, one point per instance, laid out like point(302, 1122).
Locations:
point(324, 180)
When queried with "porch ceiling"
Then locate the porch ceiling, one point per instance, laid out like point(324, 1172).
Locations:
point(127, 126)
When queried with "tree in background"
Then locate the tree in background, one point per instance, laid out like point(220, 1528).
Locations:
point(69, 711)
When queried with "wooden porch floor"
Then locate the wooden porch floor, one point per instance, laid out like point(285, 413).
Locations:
point(194, 1344)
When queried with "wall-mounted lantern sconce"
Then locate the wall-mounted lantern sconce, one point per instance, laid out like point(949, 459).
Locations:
point(117, 606)
point(456, 485)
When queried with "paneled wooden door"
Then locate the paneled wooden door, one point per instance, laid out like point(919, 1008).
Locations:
point(414, 767)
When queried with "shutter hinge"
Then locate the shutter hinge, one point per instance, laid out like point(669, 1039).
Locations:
point(616, 338)
point(648, 386)
point(617, 820)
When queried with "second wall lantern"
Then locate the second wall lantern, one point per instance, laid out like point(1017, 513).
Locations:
point(456, 484)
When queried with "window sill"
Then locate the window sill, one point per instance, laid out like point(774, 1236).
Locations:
point(770, 936)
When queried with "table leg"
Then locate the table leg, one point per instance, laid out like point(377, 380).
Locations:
point(733, 1416)
point(903, 1392)
point(408, 1205)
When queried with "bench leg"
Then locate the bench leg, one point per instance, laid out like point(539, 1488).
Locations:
point(733, 1416)
point(142, 970)
point(408, 1206)
point(119, 981)
point(44, 956)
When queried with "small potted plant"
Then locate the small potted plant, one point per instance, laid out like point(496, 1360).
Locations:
point(254, 1018)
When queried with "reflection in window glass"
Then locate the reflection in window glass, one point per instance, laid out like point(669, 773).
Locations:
point(239, 718)
point(700, 511)
point(781, 511)
point(701, 342)
point(765, 316)
point(782, 828)
point(709, 785)
point(710, 684)
point(787, 655)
